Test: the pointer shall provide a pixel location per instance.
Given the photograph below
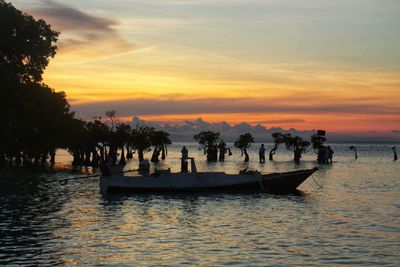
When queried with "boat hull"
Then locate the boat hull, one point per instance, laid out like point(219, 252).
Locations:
point(184, 182)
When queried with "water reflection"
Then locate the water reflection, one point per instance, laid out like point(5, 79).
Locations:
point(353, 220)
point(26, 220)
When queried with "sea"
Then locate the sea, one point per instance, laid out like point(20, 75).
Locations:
point(347, 214)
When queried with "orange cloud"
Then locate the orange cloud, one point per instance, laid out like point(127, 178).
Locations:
point(330, 122)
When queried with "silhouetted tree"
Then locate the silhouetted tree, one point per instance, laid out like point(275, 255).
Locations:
point(319, 148)
point(88, 141)
point(121, 138)
point(34, 118)
point(112, 124)
point(99, 135)
point(243, 143)
point(140, 140)
point(93, 142)
point(77, 141)
point(26, 45)
point(34, 123)
point(209, 141)
point(297, 145)
point(279, 138)
point(160, 140)
point(112, 119)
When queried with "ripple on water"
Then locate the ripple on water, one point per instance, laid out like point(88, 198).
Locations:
point(353, 220)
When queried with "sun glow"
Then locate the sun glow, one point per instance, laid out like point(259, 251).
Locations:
point(184, 64)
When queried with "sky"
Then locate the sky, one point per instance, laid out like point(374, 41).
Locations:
point(306, 64)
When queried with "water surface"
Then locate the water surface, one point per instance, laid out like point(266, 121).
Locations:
point(354, 219)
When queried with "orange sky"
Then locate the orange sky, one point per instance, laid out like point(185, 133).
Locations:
point(301, 64)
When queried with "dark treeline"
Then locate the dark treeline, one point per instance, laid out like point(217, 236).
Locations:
point(36, 120)
point(33, 116)
point(211, 143)
point(100, 140)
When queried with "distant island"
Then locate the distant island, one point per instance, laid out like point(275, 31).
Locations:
point(184, 132)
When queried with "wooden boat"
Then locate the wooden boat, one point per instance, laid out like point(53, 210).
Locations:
point(166, 181)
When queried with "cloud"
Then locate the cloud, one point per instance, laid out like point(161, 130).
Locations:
point(396, 131)
point(82, 35)
point(232, 105)
point(283, 121)
point(230, 132)
point(69, 18)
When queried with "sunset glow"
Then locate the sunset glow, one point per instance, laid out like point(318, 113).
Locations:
point(302, 64)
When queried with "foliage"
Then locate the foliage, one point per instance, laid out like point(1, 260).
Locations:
point(140, 140)
point(207, 138)
point(98, 132)
point(140, 137)
point(111, 119)
point(160, 140)
point(244, 141)
point(209, 142)
point(121, 134)
point(297, 145)
point(26, 45)
point(320, 149)
point(317, 141)
point(34, 118)
point(296, 142)
point(279, 138)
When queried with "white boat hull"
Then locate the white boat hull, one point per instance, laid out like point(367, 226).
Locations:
point(168, 182)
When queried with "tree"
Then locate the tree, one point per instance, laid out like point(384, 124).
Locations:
point(112, 120)
point(318, 141)
point(89, 138)
point(34, 121)
point(121, 138)
point(279, 138)
point(140, 140)
point(77, 141)
point(34, 118)
point(243, 143)
point(26, 45)
point(297, 145)
point(99, 135)
point(209, 141)
point(160, 140)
